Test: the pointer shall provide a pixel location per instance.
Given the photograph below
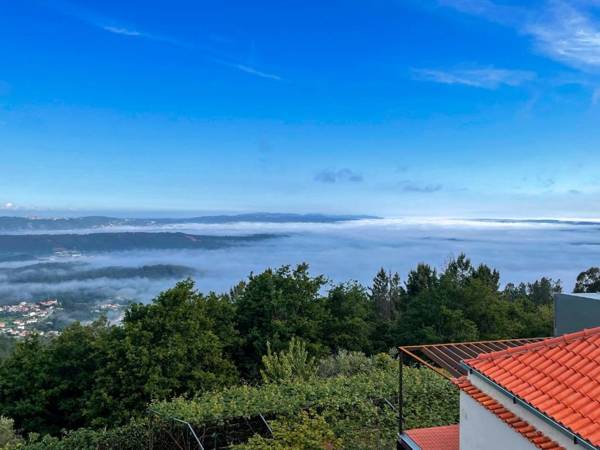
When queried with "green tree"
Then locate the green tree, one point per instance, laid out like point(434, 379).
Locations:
point(423, 278)
point(275, 306)
point(221, 310)
point(429, 319)
point(386, 297)
point(23, 378)
point(167, 348)
point(463, 303)
point(349, 319)
point(397, 294)
point(588, 281)
point(540, 292)
point(7, 344)
point(386, 294)
point(483, 306)
point(44, 387)
point(460, 272)
point(97, 375)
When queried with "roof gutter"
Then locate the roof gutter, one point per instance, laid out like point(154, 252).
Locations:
point(406, 439)
point(577, 440)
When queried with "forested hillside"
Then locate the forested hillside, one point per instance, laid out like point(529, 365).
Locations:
point(283, 333)
point(45, 244)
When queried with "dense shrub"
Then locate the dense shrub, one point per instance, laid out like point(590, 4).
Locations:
point(305, 432)
point(353, 406)
point(134, 436)
point(347, 409)
point(294, 362)
point(350, 363)
point(8, 436)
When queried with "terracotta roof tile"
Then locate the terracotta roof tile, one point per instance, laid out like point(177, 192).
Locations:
point(519, 425)
point(436, 438)
point(560, 377)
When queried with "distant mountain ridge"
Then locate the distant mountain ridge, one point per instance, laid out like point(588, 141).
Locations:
point(45, 244)
point(13, 223)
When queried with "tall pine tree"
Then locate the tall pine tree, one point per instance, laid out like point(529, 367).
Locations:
point(386, 294)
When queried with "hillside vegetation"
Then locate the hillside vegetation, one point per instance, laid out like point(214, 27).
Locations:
point(283, 343)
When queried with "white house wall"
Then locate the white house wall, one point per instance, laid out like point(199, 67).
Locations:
point(523, 413)
point(482, 430)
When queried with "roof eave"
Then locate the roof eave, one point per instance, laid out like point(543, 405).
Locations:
point(406, 439)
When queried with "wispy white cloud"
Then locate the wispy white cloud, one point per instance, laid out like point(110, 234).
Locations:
point(110, 25)
point(8, 205)
point(566, 33)
point(251, 70)
point(564, 30)
point(486, 78)
point(121, 30)
point(179, 43)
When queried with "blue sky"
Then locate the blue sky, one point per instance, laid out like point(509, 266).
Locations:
point(391, 107)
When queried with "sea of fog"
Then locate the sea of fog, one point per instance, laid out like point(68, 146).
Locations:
point(352, 250)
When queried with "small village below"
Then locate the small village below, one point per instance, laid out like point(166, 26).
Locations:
point(24, 318)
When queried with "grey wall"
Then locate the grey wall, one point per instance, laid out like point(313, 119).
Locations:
point(574, 312)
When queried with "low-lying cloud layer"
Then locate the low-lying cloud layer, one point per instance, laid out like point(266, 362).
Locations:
point(521, 251)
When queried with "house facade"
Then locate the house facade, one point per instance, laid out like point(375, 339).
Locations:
point(542, 395)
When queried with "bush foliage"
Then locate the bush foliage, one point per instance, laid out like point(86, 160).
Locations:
point(295, 362)
point(353, 405)
point(307, 431)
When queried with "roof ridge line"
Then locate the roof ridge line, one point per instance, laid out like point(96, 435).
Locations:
point(539, 372)
point(545, 343)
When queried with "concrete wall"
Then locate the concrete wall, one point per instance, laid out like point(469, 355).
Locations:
point(482, 430)
point(574, 312)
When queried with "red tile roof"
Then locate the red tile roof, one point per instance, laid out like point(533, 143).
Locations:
point(436, 438)
point(528, 431)
point(560, 377)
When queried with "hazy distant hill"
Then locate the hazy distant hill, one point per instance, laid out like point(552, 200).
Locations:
point(43, 244)
point(54, 272)
point(14, 224)
point(14, 258)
